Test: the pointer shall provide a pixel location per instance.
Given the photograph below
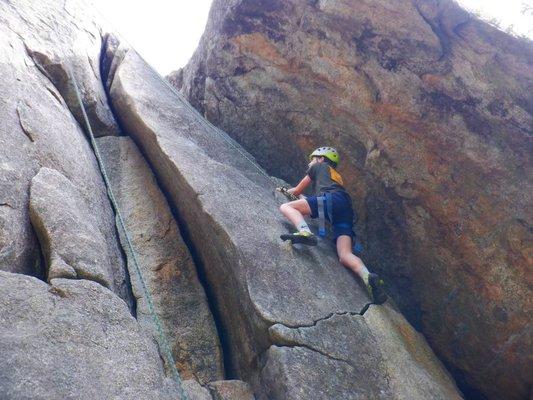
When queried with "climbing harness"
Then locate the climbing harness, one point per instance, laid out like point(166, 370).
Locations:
point(163, 342)
point(325, 203)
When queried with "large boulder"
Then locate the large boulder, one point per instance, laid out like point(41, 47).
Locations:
point(431, 110)
point(72, 245)
point(74, 339)
point(38, 130)
point(164, 262)
point(228, 208)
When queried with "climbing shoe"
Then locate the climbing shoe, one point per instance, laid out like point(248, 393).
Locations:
point(376, 288)
point(302, 237)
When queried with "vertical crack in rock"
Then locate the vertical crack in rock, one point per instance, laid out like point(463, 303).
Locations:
point(112, 54)
point(437, 29)
point(165, 263)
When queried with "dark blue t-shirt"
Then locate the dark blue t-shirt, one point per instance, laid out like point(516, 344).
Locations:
point(325, 178)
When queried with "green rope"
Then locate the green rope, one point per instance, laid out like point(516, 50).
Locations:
point(163, 342)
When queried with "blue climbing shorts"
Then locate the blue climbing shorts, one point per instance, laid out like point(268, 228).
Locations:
point(343, 214)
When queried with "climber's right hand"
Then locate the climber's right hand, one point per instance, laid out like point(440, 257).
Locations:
point(287, 193)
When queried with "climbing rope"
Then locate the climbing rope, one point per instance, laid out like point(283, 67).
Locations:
point(163, 342)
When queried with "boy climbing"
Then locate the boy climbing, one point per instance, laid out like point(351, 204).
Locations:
point(329, 201)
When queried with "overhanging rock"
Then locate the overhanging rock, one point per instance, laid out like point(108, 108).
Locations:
point(230, 213)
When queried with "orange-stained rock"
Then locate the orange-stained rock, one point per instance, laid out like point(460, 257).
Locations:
point(431, 111)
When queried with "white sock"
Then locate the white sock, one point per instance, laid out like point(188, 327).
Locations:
point(364, 273)
point(302, 226)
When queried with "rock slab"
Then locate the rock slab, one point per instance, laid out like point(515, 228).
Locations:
point(231, 390)
point(73, 246)
point(73, 339)
point(165, 263)
point(37, 128)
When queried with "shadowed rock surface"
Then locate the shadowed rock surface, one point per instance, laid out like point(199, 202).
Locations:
point(165, 263)
point(195, 391)
point(230, 213)
point(431, 110)
point(73, 339)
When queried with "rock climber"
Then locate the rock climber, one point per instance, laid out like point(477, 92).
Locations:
point(330, 202)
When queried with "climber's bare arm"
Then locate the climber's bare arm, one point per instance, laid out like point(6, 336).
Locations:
point(298, 190)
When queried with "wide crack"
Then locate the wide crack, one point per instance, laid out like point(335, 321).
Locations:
point(108, 68)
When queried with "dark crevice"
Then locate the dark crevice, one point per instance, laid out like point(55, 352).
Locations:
point(107, 75)
point(109, 64)
point(437, 29)
point(329, 316)
point(212, 302)
point(40, 269)
point(209, 291)
point(111, 55)
point(315, 350)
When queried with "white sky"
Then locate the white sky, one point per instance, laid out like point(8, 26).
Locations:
point(166, 32)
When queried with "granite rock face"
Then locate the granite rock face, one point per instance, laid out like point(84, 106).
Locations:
point(63, 39)
point(73, 339)
point(37, 128)
point(231, 390)
point(165, 263)
point(431, 110)
point(230, 212)
point(371, 346)
point(72, 245)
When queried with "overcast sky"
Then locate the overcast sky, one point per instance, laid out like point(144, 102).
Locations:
point(166, 32)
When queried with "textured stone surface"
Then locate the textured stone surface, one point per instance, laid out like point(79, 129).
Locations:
point(379, 347)
point(70, 241)
point(195, 391)
point(73, 339)
point(63, 38)
point(165, 263)
point(231, 390)
point(231, 215)
point(431, 110)
point(37, 130)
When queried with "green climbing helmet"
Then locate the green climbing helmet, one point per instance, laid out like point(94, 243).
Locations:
point(329, 152)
